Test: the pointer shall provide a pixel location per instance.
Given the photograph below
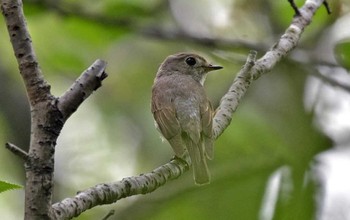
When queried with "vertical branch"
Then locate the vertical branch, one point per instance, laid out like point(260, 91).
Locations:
point(36, 87)
point(46, 120)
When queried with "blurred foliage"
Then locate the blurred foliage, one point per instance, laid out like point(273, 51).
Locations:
point(112, 134)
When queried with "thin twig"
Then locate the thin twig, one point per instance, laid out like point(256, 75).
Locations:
point(326, 5)
point(295, 7)
point(17, 151)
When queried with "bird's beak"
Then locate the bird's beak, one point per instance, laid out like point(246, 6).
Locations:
point(211, 67)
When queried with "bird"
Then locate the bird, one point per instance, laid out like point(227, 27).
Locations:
point(182, 112)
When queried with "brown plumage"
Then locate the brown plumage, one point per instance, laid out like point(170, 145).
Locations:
point(182, 112)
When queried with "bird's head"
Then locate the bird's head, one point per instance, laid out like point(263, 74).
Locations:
point(187, 64)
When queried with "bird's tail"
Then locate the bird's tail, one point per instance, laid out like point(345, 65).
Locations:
point(199, 164)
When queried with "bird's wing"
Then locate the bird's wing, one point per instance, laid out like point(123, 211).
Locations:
point(207, 128)
point(165, 117)
point(167, 122)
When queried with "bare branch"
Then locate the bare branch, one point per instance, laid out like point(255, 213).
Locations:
point(281, 49)
point(45, 119)
point(17, 151)
point(89, 81)
point(288, 41)
point(231, 99)
point(108, 193)
point(37, 88)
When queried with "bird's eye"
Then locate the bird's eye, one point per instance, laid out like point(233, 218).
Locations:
point(190, 61)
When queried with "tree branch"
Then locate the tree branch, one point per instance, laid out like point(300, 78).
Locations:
point(281, 49)
point(107, 193)
point(45, 120)
point(37, 88)
point(89, 81)
point(231, 99)
point(17, 151)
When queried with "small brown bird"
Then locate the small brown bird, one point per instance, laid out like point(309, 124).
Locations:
point(182, 111)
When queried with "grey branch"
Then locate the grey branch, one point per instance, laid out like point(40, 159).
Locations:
point(231, 99)
point(45, 127)
point(108, 193)
point(83, 87)
point(37, 88)
point(288, 41)
point(17, 151)
point(281, 49)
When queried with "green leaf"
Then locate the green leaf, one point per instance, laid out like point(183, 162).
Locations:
point(4, 186)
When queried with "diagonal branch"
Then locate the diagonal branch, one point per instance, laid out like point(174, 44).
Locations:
point(17, 151)
point(107, 193)
point(229, 103)
point(89, 81)
point(281, 49)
